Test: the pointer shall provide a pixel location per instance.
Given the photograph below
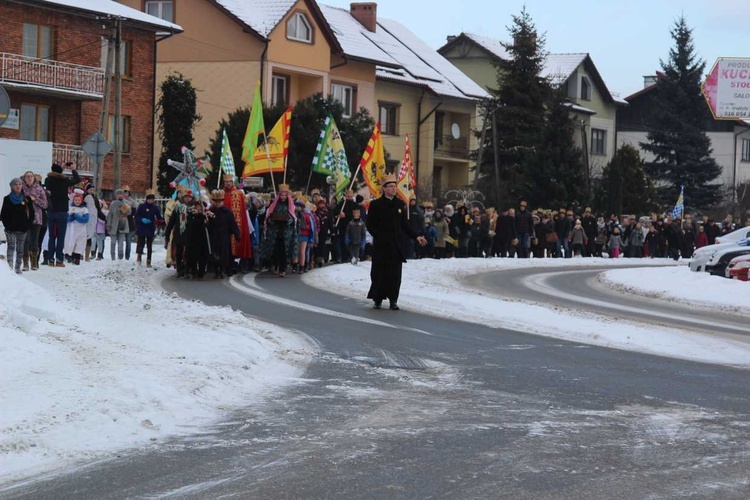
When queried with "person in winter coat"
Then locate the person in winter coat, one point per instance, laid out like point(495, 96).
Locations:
point(652, 241)
point(118, 224)
point(128, 198)
point(175, 236)
point(712, 231)
point(95, 215)
point(601, 237)
point(281, 242)
point(687, 241)
point(17, 216)
point(306, 236)
point(57, 185)
point(615, 243)
point(506, 233)
point(38, 196)
point(196, 240)
point(637, 239)
point(578, 238)
point(462, 231)
point(701, 240)
point(256, 210)
point(322, 251)
point(588, 222)
point(146, 216)
point(562, 229)
point(356, 235)
point(221, 227)
point(77, 232)
point(416, 222)
point(100, 233)
point(524, 229)
point(440, 224)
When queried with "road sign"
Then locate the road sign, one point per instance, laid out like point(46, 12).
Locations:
point(4, 105)
point(727, 89)
point(96, 147)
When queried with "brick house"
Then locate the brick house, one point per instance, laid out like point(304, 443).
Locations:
point(51, 65)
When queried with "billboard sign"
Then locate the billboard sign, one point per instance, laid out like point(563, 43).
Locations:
point(727, 88)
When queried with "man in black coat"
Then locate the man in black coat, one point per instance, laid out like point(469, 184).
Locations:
point(524, 227)
point(588, 222)
point(387, 223)
point(57, 185)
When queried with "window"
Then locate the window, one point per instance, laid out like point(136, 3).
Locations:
point(345, 95)
point(439, 121)
point(298, 28)
point(598, 141)
point(745, 149)
point(162, 9)
point(35, 122)
point(38, 41)
point(585, 89)
point(125, 57)
point(124, 132)
point(279, 90)
point(388, 116)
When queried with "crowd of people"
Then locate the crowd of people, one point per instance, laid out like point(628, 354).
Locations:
point(62, 221)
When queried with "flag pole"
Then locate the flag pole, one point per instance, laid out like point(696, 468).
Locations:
point(309, 179)
point(351, 186)
point(286, 161)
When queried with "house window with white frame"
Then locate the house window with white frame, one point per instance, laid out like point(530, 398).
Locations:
point(598, 141)
point(298, 28)
point(163, 9)
point(585, 89)
point(745, 149)
point(388, 116)
point(279, 90)
point(345, 95)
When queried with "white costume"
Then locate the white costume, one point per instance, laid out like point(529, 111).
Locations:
point(75, 237)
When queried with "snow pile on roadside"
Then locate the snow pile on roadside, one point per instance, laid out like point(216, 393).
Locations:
point(680, 284)
point(93, 359)
point(439, 288)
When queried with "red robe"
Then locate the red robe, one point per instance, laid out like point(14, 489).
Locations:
point(235, 201)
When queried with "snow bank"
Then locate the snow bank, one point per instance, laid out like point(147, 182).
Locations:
point(680, 284)
point(93, 359)
point(440, 289)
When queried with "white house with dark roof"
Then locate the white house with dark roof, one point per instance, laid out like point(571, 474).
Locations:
point(590, 101)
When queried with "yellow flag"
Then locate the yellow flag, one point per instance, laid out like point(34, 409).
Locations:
point(372, 163)
point(278, 148)
point(255, 128)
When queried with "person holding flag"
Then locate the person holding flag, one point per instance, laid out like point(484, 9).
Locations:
point(372, 163)
point(389, 227)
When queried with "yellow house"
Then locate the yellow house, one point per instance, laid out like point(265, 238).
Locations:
point(590, 101)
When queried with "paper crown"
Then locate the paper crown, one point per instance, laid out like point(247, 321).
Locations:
point(390, 178)
point(283, 187)
point(314, 192)
point(217, 194)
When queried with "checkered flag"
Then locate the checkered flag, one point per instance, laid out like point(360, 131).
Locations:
point(226, 162)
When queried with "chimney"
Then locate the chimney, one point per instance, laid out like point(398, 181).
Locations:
point(649, 80)
point(450, 38)
point(366, 13)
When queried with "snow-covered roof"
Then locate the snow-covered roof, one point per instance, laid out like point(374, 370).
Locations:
point(400, 55)
point(559, 67)
point(261, 15)
point(492, 45)
point(115, 9)
point(579, 108)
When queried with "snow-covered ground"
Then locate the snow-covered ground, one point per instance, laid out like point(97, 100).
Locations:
point(679, 284)
point(440, 289)
point(95, 358)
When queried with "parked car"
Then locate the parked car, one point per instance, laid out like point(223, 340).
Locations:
point(702, 255)
point(719, 261)
point(742, 233)
point(738, 268)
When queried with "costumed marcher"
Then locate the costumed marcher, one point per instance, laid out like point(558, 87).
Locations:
point(118, 224)
point(77, 232)
point(221, 227)
point(197, 241)
point(176, 232)
point(38, 196)
point(57, 185)
point(146, 216)
point(95, 215)
point(235, 201)
point(256, 210)
point(322, 250)
point(280, 245)
point(387, 223)
point(306, 237)
point(17, 216)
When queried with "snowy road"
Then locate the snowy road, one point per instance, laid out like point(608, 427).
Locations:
point(407, 405)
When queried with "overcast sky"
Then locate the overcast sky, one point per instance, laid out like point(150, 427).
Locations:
point(626, 39)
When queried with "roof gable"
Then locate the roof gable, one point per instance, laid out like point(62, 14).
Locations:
point(114, 9)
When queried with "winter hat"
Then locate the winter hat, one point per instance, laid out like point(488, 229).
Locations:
point(299, 204)
point(118, 192)
point(57, 168)
point(88, 186)
point(151, 196)
point(15, 180)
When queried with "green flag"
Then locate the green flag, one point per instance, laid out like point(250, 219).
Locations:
point(330, 154)
point(255, 128)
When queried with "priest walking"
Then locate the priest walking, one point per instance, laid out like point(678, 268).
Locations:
point(387, 222)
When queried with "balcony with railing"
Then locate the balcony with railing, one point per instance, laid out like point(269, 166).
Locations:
point(64, 153)
point(46, 76)
point(448, 146)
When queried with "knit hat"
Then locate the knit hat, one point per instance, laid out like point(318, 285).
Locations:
point(88, 186)
point(15, 180)
point(118, 192)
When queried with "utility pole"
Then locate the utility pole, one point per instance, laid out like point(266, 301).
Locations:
point(98, 168)
point(118, 105)
point(586, 166)
point(496, 145)
point(480, 153)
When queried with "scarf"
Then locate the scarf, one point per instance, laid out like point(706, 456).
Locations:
point(17, 199)
point(291, 208)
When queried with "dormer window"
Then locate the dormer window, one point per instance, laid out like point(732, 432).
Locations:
point(298, 28)
point(585, 89)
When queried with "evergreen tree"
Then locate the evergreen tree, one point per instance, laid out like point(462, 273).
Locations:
point(308, 117)
point(625, 187)
point(678, 125)
point(518, 106)
point(557, 174)
point(177, 117)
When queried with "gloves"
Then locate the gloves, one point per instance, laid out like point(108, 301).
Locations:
point(145, 221)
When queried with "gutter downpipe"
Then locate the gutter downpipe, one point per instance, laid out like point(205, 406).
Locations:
point(262, 65)
point(420, 121)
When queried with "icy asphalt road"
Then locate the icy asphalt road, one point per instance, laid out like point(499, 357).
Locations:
point(401, 405)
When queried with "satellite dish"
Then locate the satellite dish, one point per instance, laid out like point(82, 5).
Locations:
point(455, 131)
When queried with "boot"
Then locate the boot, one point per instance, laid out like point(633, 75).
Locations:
point(34, 260)
point(44, 256)
point(25, 261)
point(100, 256)
point(88, 253)
point(148, 262)
point(138, 258)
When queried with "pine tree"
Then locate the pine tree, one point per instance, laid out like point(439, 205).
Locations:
point(625, 187)
point(518, 106)
point(177, 116)
point(678, 137)
point(557, 174)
